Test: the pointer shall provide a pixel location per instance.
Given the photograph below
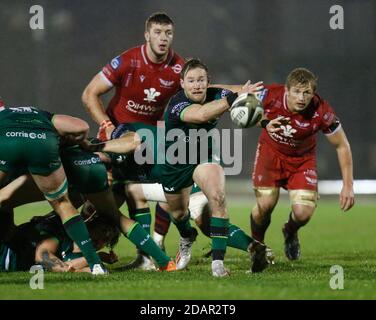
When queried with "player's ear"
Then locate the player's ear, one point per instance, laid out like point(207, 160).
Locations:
point(182, 83)
point(147, 36)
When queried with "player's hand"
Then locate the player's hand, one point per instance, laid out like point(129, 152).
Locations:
point(275, 124)
point(251, 88)
point(105, 130)
point(256, 87)
point(346, 198)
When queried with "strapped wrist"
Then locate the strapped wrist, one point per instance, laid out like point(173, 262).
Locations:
point(105, 124)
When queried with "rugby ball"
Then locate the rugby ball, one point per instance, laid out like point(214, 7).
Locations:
point(246, 111)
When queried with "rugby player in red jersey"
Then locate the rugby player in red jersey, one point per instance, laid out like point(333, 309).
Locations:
point(144, 78)
point(286, 155)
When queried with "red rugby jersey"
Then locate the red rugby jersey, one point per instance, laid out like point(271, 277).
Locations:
point(143, 88)
point(299, 136)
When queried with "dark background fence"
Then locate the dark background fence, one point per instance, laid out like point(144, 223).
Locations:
point(239, 40)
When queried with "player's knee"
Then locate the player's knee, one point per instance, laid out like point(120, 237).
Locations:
point(266, 200)
point(305, 198)
point(59, 194)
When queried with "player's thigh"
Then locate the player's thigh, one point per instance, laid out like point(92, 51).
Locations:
point(53, 184)
point(135, 196)
point(210, 178)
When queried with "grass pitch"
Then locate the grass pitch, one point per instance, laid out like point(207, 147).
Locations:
point(331, 238)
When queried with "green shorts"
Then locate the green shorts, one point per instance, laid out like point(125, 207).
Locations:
point(35, 150)
point(175, 177)
point(85, 171)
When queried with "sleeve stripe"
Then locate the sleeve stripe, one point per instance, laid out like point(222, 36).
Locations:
point(182, 113)
point(330, 133)
point(106, 79)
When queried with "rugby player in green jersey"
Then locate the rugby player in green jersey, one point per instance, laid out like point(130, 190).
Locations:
point(88, 178)
point(29, 140)
point(198, 107)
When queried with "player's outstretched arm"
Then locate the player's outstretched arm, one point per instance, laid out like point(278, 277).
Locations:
point(342, 145)
point(197, 113)
point(126, 143)
point(44, 254)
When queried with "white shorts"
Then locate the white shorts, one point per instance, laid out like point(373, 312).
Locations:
point(154, 192)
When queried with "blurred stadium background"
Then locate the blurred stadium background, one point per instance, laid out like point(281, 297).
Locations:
point(239, 40)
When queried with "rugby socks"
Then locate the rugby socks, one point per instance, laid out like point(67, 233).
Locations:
point(142, 216)
point(138, 236)
point(258, 230)
point(292, 226)
point(162, 220)
point(77, 231)
point(219, 234)
point(237, 238)
point(184, 226)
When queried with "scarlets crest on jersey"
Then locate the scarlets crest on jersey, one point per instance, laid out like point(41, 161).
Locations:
point(297, 137)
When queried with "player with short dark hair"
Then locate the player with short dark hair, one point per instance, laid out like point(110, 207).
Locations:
point(144, 77)
point(286, 155)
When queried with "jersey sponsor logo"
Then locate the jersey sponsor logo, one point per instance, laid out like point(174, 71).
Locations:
point(140, 108)
point(166, 83)
point(288, 131)
point(302, 124)
point(115, 63)
point(179, 107)
point(142, 78)
point(23, 109)
point(92, 160)
point(3, 162)
point(177, 68)
point(260, 95)
point(316, 114)
point(29, 135)
point(151, 94)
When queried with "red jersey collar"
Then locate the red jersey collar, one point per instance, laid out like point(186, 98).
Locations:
point(161, 65)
